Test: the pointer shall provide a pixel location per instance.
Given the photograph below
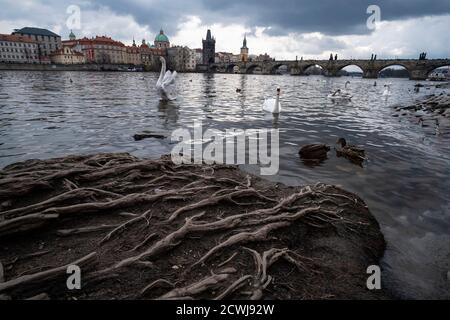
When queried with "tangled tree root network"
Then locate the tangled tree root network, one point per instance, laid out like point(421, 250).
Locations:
point(150, 229)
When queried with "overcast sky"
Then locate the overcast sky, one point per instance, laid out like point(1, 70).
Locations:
point(283, 28)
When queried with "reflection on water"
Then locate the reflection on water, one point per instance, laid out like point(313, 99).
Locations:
point(405, 182)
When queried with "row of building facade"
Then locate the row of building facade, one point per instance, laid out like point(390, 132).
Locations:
point(41, 46)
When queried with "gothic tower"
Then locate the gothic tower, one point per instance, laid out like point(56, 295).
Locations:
point(244, 50)
point(209, 48)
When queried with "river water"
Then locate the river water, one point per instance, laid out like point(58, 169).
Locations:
point(405, 181)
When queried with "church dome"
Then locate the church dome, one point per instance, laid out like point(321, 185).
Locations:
point(161, 37)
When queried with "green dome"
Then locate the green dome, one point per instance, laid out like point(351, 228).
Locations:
point(161, 37)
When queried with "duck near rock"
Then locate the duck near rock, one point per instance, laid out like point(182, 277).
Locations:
point(353, 153)
point(314, 152)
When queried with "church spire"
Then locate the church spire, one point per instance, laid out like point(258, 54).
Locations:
point(244, 43)
point(244, 50)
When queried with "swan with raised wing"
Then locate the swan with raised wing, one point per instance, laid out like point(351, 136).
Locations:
point(273, 105)
point(166, 86)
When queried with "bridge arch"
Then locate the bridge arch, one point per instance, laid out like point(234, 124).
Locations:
point(230, 67)
point(275, 68)
point(350, 64)
point(304, 68)
point(252, 68)
point(394, 64)
point(435, 68)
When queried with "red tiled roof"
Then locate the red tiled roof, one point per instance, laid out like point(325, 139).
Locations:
point(102, 40)
point(15, 38)
point(108, 40)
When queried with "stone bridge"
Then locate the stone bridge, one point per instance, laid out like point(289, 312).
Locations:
point(418, 69)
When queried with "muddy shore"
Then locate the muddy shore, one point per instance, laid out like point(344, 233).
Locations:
point(148, 229)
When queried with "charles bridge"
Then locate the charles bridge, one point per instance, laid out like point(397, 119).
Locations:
point(417, 69)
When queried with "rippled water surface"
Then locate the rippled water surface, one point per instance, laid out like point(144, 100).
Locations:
point(405, 182)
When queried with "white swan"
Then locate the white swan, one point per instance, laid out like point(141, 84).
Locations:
point(339, 94)
point(387, 91)
point(166, 83)
point(273, 105)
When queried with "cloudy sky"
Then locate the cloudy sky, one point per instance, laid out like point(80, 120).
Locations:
point(283, 28)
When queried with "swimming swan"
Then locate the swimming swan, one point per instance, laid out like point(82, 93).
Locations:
point(166, 83)
point(273, 105)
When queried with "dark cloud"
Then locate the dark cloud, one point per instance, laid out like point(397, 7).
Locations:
point(331, 17)
point(156, 14)
point(327, 16)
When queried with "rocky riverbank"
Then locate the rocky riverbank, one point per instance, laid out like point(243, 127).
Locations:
point(148, 229)
point(434, 109)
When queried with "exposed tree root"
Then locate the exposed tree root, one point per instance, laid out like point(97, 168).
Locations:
point(25, 223)
point(41, 296)
point(162, 245)
point(2, 273)
point(70, 232)
point(181, 225)
point(146, 241)
point(215, 199)
point(157, 283)
point(44, 275)
point(244, 237)
point(233, 287)
point(228, 260)
point(118, 229)
point(67, 196)
point(200, 286)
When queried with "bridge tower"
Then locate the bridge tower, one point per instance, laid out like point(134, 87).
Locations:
point(244, 50)
point(209, 49)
